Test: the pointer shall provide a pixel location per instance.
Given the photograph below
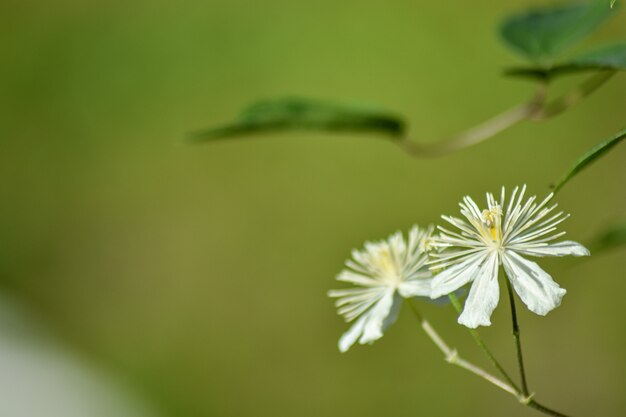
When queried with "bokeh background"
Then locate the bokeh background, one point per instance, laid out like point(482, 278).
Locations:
point(190, 279)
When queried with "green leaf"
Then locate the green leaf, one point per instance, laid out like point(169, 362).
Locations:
point(542, 34)
point(612, 237)
point(305, 114)
point(607, 57)
point(596, 152)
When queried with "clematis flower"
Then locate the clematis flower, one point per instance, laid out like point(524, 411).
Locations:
point(492, 237)
point(384, 273)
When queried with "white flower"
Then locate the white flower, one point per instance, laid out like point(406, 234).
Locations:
point(493, 237)
point(385, 272)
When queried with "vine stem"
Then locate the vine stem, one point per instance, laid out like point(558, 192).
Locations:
point(524, 397)
point(483, 131)
point(518, 339)
point(542, 408)
point(535, 109)
point(452, 356)
point(569, 99)
point(479, 341)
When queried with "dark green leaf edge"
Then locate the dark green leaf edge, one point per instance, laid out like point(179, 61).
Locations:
point(289, 114)
point(607, 57)
point(596, 152)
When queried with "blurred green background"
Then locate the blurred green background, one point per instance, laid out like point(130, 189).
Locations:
point(196, 274)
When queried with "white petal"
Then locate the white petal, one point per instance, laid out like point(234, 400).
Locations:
point(565, 248)
point(394, 312)
point(456, 276)
point(371, 325)
point(533, 285)
point(373, 329)
point(347, 292)
point(483, 296)
point(351, 336)
point(357, 279)
point(354, 309)
point(415, 287)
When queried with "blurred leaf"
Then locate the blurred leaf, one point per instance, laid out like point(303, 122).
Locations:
point(608, 57)
point(542, 34)
point(613, 237)
point(299, 113)
point(528, 72)
point(589, 157)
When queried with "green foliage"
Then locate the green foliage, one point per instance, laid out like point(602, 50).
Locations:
point(305, 114)
point(607, 57)
point(596, 152)
point(540, 35)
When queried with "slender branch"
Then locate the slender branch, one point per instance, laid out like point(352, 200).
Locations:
point(534, 404)
point(518, 340)
point(535, 109)
point(479, 341)
point(573, 97)
point(481, 132)
point(453, 358)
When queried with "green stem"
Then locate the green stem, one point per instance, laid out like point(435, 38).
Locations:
point(479, 341)
point(480, 132)
point(453, 358)
point(523, 398)
point(572, 97)
point(535, 109)
point(518, 339)
point(534, 404)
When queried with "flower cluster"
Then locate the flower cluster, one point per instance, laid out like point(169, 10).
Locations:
point(433, 266)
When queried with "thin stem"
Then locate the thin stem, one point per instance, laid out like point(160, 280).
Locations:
point(534, 404)
point(479, 341)
point(481, 132)
point(518, 340)
point(535, 109)
point(569, 99)
point(471, 137)
point(453, 358)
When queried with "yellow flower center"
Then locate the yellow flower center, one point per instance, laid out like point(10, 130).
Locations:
point(492, 224)
point(388, 266)
point(426, 244)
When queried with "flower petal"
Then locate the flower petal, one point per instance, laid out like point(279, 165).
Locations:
point(456, 276)
point(353, 333)
point(565, 248)
point(373, 329)
point(483, 296)
point(533, 285)
point(371, 325)
point(393, 312)
point(415, 287)
point(357, 279)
